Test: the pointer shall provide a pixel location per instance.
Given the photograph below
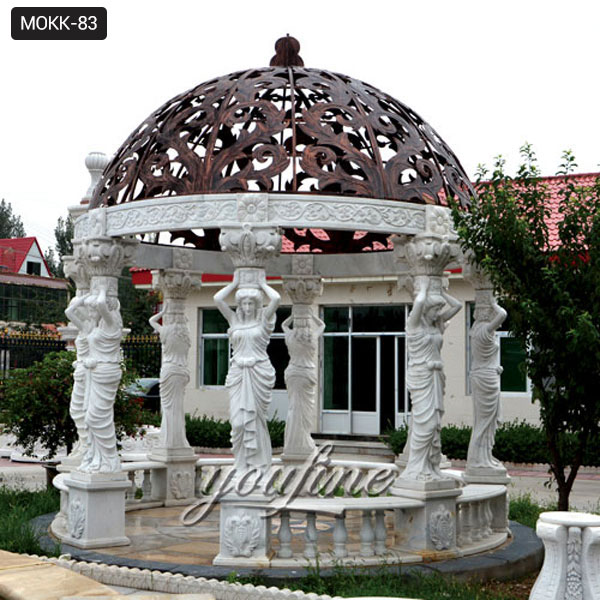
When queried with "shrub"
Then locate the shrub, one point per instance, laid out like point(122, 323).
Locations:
point(208, 432)
point(517, 442)
point(35, 404)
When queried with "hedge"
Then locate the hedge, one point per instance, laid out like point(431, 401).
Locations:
point(517, 442)
point(208, 432)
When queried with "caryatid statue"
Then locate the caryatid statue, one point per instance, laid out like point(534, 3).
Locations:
point(302, 330)
point(103, 258)
point(251, 375)
point(78, 315)
point(485, 377)
point(427, 254)
point(175, 285)
point(425, 379)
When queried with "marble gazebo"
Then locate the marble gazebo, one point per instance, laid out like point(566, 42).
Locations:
point(210, 183)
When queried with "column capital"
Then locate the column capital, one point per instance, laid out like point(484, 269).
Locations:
point(250, 246)
point(302, 289)
point(176, 284)
point(104, 256)
point(425, 253)
point(75, 269)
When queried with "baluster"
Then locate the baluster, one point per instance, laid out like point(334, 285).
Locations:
point(367, 535)
point(476, 521)
point(488, 518)
point(466, 524)
point(147, 485)
point(340, 536)
point(285, 535)
point(310, 536)
point(380, 532)
point(130, 494)
point(459, 524)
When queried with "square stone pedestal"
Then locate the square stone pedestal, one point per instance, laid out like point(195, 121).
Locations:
point(175, 483)
point(96, 511)
point(433, 526)
point(245, 532)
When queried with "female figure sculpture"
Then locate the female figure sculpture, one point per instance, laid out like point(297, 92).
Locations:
point(425, 378)
point(174, 375)
point(301, 381)
point(485, 384)
point(251, 375)
point(103, 366)
point(78, 314)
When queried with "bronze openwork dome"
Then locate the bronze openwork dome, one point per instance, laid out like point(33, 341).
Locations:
point(284, 129)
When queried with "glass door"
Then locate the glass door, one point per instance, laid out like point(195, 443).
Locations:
point(365, 389)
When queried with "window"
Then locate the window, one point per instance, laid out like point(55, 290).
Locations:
point(512, 358)
point(214, 348)
point(32, 304)
point(33, 268)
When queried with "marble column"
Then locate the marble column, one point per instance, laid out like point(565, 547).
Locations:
point(96, 511)
point(303, 330)
point(485, 373)
point(426, 255)
point(251, 375)
point(175, 483)
point(245, 533)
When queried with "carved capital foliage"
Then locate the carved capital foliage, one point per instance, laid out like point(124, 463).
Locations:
point(105, 256)
point(250, 246)
point(75, 269)
point(176, 284)
point(438, 221)
point(425, 254)
point(303, 289)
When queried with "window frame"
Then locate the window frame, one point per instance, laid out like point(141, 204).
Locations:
point(200, 371)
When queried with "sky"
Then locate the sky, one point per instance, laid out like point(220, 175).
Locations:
point(487, 75)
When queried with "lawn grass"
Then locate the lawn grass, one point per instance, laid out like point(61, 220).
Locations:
point(17, 508)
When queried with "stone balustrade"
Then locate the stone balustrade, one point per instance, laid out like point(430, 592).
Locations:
point(572, 557)
point(140, 495)
point(482, 518)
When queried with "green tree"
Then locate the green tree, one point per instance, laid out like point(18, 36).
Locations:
point(137, 306)
point(34, 404)
point(11, 225)
point(53, 266)
point(63, 236)
point(548, 279)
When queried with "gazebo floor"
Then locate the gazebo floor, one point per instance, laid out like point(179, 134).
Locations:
point(157, 535)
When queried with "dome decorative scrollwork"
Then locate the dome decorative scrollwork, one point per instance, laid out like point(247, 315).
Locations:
point(285, 129)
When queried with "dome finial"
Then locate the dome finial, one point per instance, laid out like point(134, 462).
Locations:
point(286, 53)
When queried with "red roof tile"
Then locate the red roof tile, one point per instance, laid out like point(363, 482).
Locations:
point(13, 252)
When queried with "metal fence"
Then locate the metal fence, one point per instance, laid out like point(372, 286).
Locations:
point(23, 349)
point(143, 351)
